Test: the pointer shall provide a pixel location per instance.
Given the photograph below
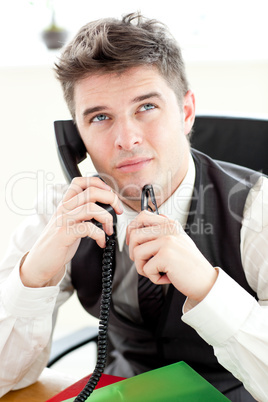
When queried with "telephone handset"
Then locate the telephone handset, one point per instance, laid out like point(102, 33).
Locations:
point(72, 151)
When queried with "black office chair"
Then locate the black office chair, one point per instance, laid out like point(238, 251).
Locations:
point(62, 346)
point(243, 141)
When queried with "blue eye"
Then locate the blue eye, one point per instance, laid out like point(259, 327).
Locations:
point(99, 117)
point(147, 106)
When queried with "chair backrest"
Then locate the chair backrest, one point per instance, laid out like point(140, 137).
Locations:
point(243, 141)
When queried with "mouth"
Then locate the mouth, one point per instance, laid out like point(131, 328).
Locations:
point(133, 165)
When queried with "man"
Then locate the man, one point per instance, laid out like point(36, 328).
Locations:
point(126, 88)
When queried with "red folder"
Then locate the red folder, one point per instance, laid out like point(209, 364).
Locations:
point(77, 387)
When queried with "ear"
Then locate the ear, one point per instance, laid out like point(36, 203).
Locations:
point(188, 111)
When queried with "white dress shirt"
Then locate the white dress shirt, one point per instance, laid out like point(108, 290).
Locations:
point(229, 318)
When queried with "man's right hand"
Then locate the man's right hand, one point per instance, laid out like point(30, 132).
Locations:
point(45, 263)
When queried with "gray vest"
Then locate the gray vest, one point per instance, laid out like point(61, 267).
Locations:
point(214, 224)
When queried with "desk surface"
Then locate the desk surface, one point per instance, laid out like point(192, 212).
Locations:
point(49, 384)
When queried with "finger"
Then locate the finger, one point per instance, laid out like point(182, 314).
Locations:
point(154, 269)
point(88, 229)
point(149, 262)
point(94, 194)
point(145, 218)
point(160, 227)
point(143, 253)
point(88, 212)
point(142, 235)
point(80, 184)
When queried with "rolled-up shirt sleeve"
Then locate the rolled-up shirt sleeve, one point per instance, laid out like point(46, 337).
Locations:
point(27, 315)
point(26, 326)
point(229, 318)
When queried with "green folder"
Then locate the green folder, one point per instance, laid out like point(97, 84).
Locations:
point(174, 383)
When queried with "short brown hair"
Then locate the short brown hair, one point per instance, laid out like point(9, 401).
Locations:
point(112, 46)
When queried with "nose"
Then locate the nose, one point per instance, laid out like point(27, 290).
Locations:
point(128, 134)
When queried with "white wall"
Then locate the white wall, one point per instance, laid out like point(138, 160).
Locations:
point(230, 87)
point(30, 101)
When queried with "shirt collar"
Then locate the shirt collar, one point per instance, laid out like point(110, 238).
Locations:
point(176, 207)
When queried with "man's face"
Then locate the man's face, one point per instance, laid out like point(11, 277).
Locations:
point(135, 131)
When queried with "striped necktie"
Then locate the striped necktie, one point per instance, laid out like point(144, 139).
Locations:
point(151, 300)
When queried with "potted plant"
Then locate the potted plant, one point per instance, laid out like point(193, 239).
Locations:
point(54, 36)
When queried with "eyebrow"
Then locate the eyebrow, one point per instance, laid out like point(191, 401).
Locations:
point(137, 99)
point(146, 96)
point(93, 109)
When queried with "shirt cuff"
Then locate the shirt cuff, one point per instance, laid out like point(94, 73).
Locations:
point(21, 301)
point(222, 312)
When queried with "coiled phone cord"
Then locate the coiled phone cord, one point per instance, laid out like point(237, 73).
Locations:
point(107, 264)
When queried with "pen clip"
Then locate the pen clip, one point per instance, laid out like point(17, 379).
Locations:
point(147, 192)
